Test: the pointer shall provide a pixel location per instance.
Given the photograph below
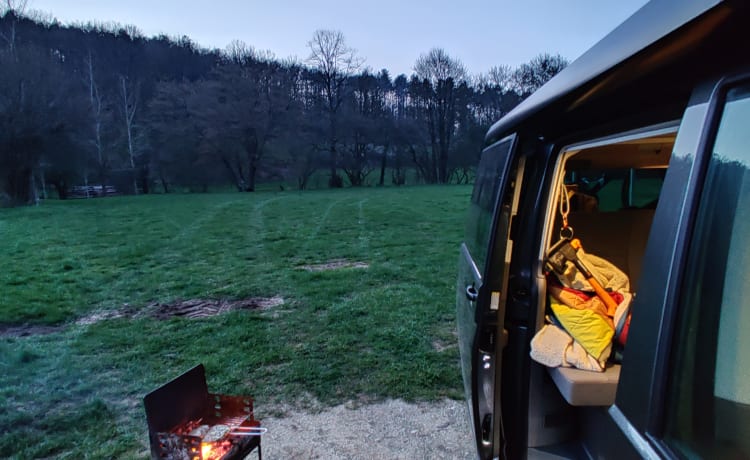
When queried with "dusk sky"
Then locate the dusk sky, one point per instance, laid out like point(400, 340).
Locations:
point(389, 34)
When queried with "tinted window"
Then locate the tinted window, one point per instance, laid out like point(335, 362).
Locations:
point(708, 413)
point(645, 187)
point(479, 222)
point(617, 189)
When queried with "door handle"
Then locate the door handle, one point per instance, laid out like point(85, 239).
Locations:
point(471, 293)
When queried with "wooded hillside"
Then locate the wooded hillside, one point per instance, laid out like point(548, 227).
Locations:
point(101, 104)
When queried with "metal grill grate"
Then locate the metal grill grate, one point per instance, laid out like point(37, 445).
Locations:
point(186, 422)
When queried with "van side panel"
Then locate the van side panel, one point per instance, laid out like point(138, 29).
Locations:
point(652, 313)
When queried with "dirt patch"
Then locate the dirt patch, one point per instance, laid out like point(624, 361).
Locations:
point(440, 346)
point(101, 316)
point(335, 264)
point(202, 308)
point(27, 330)
point(192, 308)
point(392, 429)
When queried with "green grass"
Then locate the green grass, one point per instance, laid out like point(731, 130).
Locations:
point(349, 334)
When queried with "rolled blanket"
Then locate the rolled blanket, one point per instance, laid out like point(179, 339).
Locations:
point(606, 272)
point(553, 347)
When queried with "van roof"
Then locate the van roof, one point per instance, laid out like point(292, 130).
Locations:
point(651, 23)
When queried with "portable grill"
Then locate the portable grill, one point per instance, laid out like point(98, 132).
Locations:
point(186, 422)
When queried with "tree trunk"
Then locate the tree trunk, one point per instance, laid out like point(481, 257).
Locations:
point(252, 171)
point(383, 161)
point(236, 180)
point(144, 173)
point(62, 189)
point(335, 180)
point(18, 186)
point(129, 107)
point(164, 183)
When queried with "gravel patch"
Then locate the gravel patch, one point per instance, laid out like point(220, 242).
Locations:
point(392, 429)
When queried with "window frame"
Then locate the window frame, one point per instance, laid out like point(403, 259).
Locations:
point(639, 406)
point(480, 251)
point(656, 430)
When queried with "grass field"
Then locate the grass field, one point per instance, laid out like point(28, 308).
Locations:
point(382, 329)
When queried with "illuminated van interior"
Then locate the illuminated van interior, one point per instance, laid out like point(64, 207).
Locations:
point(616, 185)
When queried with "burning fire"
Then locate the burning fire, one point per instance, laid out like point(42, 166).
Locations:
point(214, 450)
point(206, 449)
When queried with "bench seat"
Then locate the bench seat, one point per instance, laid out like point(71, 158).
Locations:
point(586, 388)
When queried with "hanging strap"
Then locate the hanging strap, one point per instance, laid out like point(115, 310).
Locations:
point(566, 231)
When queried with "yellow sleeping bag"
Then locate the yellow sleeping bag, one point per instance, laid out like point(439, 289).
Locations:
point(592, 330)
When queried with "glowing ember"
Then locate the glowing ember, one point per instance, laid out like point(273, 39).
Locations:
point(206, 450)
point(214, 450)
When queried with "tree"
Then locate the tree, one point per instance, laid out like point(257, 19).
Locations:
point(530, 76)
point(175, 136)
point(494, 96)
point(440, 76)
point(129, 99)
point(240, 110)
point(12, 9)
point(100, 118)
point(335, 62)
point(38, 113)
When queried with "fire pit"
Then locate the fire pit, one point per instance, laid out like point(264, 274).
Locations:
point(186, 422)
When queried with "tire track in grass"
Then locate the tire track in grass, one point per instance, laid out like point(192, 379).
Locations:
point(175, 252)
point(245, 238)
point(258, 221)
point(364, 233)
point(210, 215)
point(316, 231)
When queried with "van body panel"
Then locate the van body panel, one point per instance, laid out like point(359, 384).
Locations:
point(481, 295)
point(656, 81)
point(654, 21)
point(651, 315)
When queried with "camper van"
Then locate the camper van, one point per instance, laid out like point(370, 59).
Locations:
point(600, 300)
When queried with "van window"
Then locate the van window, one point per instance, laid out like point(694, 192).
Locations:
point(708, 411)
point(617, 189)
point(613, 187)
point(492, 166)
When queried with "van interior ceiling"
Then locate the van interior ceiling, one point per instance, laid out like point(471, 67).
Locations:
point(613, 187)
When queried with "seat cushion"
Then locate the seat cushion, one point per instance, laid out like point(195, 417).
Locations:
point(586, 388)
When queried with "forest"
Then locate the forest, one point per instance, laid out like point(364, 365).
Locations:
point(99, 106)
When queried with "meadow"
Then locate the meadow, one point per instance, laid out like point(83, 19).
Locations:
point(349, 297)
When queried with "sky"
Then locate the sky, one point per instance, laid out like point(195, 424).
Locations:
point(388, 34)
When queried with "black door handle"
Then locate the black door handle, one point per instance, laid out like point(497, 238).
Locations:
point(471, 293)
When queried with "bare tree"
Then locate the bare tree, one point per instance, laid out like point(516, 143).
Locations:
point(501, 77)
point(440, 75)
point(530, 76)
point(239, 53)
point(335, 61)
point(16, 9)
point(129, 107)
point(38, 120)
point(97, 112)
point(437, 66)
point(494, 96)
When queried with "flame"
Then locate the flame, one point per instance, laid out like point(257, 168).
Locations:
point(206, 449)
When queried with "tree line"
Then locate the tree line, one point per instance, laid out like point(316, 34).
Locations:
point(103, 104)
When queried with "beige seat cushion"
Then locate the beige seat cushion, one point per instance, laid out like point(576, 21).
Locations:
point(586, 388)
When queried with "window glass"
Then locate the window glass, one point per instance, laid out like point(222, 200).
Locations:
point(617, 189)
point(708, 412)
point(479, 222)
point(645, 187)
